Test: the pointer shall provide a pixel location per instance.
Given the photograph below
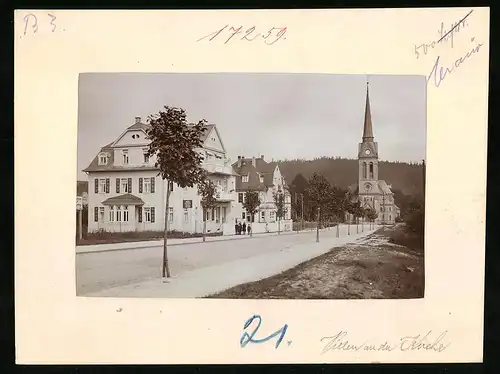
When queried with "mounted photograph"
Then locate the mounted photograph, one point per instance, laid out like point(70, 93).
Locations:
point(250, 186)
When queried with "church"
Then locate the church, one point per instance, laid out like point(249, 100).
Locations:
point(371, 191)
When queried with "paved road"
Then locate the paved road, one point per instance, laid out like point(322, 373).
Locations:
point(102, 270)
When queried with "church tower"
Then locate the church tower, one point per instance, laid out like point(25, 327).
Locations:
point(367, 155)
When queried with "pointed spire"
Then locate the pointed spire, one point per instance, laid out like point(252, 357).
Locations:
point(367, 129)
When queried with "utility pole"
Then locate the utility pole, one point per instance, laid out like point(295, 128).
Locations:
point(302, 209)
point(383, 208)
point(317, 227)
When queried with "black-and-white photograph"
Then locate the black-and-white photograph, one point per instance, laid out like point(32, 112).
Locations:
point(250, 186)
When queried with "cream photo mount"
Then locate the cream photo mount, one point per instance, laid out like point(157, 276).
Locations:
point(54, 326)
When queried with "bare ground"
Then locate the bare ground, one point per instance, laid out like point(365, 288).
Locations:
point(376, 267)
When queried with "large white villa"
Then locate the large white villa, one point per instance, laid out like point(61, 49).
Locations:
point(127, 194)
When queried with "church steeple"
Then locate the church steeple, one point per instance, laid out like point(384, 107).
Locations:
point(367, 129)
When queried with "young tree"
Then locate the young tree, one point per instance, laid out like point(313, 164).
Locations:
point(348, 206)
point(174, 141)
point(372, 215)
point(207, 191)
point(357, 211)
point(251, 204)
point(319, 192)
point(279, 201)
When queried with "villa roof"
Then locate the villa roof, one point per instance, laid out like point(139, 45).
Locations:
point(126, 199)
point(245, 166)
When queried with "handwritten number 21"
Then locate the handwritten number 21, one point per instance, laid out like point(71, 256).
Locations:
point(248, 338)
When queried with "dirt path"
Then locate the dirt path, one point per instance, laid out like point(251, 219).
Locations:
point(374, 267)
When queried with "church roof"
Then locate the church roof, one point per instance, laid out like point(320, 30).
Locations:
point(367, 129)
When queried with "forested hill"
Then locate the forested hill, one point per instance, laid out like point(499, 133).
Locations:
point(342, 172)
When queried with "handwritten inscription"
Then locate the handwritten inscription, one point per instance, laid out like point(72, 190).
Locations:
point(445, 36)
point(250, 34)
point(419, 342)
point(31, 24)
point(439, 72)
point(249, 338)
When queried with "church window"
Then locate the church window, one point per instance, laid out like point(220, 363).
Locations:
point(371, 170)
point(364, 170)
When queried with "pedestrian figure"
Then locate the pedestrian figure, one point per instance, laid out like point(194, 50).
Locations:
point(244, 228)
point(239, 228)
point(236, 227)
point(249, 228)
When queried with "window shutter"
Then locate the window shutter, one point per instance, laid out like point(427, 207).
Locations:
point(130, 185)
point(140, 214)
point(117, 185)
point(152, 214)
point(107, 185)
point(140, 187)
point(96, 214)
point(96, 185)
point(152, 184)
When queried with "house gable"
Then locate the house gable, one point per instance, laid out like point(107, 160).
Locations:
point(213, 140)
point(132, 138)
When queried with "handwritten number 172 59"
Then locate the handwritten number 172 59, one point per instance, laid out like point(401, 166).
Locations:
point(270, 36)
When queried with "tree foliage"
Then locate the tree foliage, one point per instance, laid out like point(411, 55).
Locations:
point(279, 201)
point(174, 142)
point(207, 191)
point(251, 203)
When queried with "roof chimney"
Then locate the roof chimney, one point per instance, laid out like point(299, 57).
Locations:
point(254, 163)
point(137, 119)
point(239, 161)
point(262, 156)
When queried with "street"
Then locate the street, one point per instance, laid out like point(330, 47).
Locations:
point(99, 271)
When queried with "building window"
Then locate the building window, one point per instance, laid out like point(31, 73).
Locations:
point(101, 214)
point(147, 214)
point(125, 157)
point(243, 215)
point(261, 178)
point(186, 216)
point(249, 217)
point(224, 185)
point(208, 156)
point(381, 209)
point(217, 214)
point(103, 159)
point(272, 216)
point(145, 156)
point(262, 216)
point(124, 183)
point(364, 170)
point(125, 213)
point(240, 197)
point(147, 185)
point(111, 214)
point(171, 214)
point(389, 217)
point(371, 170)
point(244, 178)
point(224, 215)
point(207, 214)
point(118, 214)
point(102, 185)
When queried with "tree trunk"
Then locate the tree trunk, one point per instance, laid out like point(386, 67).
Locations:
point(357, 225)
point(279, 219)
point(338, 230)
point(317, 227)
point(349, 224)
point(204, 225)
point(362, 224)
point(250, 224)
point(165, 269)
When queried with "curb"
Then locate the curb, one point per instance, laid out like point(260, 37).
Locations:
point(197, 242)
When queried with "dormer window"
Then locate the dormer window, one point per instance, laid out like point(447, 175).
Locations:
point(261, 178)
point(145, 155)
point(125, 157)
point(103, 159)
point(135, 136)
point(244, 178)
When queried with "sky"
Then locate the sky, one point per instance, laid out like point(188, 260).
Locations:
point(280, 116)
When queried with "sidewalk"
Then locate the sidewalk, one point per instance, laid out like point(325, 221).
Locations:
point(206, 281)
point(174, 242)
